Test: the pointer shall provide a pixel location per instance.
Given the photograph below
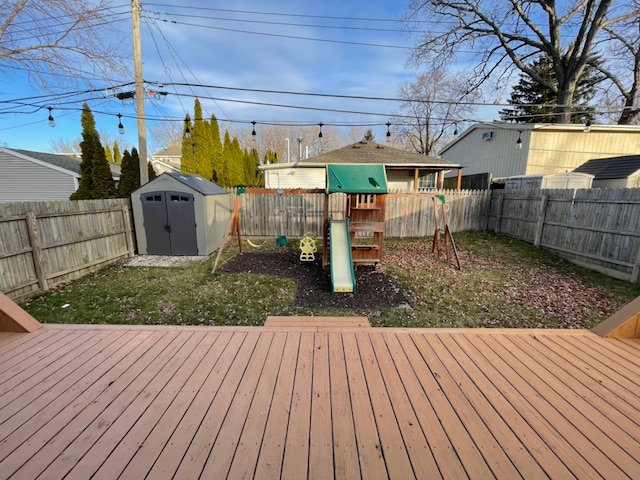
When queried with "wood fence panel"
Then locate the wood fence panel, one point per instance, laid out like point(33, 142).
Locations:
point(596, 228)
point(43, 244)
point(268, 214)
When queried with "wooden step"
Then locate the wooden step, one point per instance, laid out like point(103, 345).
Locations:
point(312, 321)
point(15, 319)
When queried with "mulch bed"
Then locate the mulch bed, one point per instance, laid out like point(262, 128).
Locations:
point(374, 289)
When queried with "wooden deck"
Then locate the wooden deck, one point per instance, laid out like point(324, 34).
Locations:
point(79, 402)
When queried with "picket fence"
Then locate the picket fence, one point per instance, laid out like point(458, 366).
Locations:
point(596, 228)
point(44, 244)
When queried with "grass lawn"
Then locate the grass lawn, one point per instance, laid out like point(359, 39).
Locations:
point(503, 283)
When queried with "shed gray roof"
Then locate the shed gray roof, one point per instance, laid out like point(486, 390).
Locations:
point(63, 161)
point(611, 168)
point(370, 152)
point(197, 183)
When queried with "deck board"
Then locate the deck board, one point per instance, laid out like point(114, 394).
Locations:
point(109, 402)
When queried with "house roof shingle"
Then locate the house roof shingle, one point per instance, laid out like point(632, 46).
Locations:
point(66, 162)
point(62, 161)
point(611, 168)
point(370, 152)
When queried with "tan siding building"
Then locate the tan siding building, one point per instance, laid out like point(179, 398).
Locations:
point(545, 148)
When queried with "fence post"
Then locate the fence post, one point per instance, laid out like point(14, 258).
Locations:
point(635, 274)
point(496, 228)
point(541, 216)
point(36, 250)
point(487, 209)
point(126, 216)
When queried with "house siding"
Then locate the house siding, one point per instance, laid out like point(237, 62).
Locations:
point(295, 178)
point(498, 155)
point(545, 149)
point(400, 180)
point(22, 180)
point(559, 152)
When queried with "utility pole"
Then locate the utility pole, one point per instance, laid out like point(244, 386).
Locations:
point(137, 65)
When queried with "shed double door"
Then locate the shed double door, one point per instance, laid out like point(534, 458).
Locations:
point(169, 223)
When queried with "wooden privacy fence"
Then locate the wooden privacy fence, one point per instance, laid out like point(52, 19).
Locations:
point(294, 214)
point(44, 244)
point(596, 228)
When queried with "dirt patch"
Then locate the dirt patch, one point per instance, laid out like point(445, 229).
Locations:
point(374, 289)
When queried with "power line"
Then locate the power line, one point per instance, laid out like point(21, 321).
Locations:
point(288, 24)
point(350, 19)
point(290, 37)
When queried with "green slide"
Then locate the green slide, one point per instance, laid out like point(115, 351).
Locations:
point(343, 278)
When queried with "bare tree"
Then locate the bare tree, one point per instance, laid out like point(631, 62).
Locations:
point(624, 74)
point(60, 41)
point(166, 133)
point(431, 109)
point(63, 145)
point(274, 138)
point(500, 35)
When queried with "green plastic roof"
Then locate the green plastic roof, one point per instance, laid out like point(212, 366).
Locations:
point(356, 178)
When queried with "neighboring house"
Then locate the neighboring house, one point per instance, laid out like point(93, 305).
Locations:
point(614, 172)
point(405, 170)
point(27, 176)
point(168, 159)
point(494, 149)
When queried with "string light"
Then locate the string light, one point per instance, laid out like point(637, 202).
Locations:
point(187, 132)
point(320, 134)
point(120, 126)
point(587, 125)
point(52, 122)
point(253, 132)
point(519, 141)
point(455, 131)
point(388, 132)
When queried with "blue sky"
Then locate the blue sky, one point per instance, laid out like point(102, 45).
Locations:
point(269, 50)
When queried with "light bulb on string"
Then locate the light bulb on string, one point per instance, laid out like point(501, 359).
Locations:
point(120, 126)
point(187, 132)
point(52, 122)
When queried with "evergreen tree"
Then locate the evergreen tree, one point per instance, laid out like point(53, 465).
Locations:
point(152, 172)
point(270, 157)
point(187, 164)
point(217, 162)
point(129, 173)
point(236, 169)
point(108, 154)
point(369, 136)
point(117, 157)
point(227, 161)
point(536, 104)
point(201, 137)
point(96, 181)
point(252, 172)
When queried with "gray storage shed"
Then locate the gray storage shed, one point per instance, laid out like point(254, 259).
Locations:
point(180, 214)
